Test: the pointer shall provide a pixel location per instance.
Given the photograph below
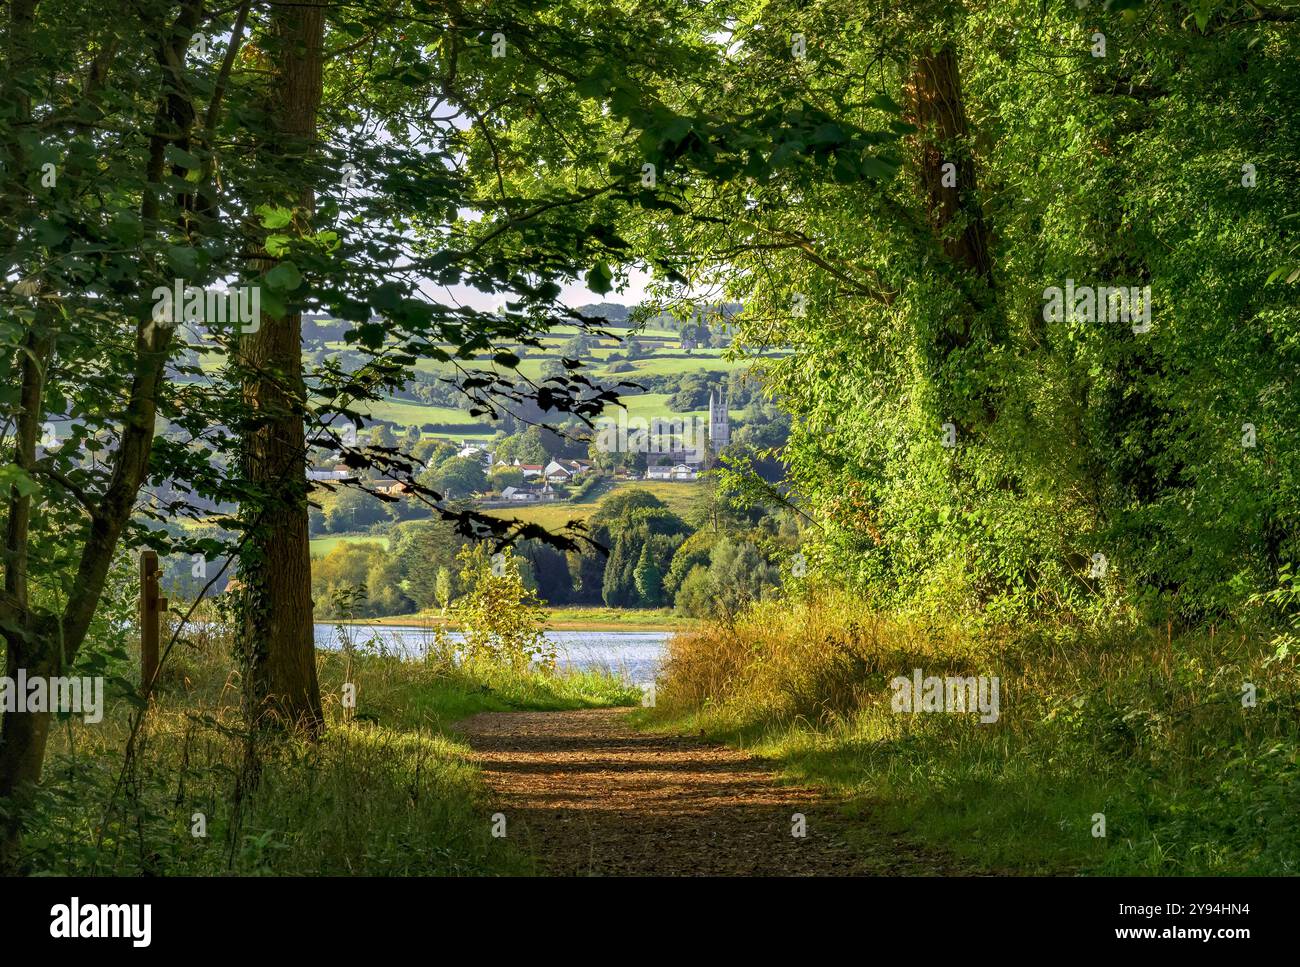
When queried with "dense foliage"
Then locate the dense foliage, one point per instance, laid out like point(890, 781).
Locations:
point(1170, 163)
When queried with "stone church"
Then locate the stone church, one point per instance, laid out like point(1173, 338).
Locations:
point(719, 420)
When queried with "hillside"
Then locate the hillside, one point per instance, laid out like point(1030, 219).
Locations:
point(657, 352)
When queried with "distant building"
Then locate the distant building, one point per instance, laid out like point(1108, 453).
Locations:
point(339, 472)
point(671, 471)
point(557, 472)
point(677, 441)
point(476, 450)
point(719, 421)
point(562, 471)
point(528, 494)
point(691, 457)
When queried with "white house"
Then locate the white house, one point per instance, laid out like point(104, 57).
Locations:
point(475, 450)
point(557, 472)
point(527, 494)
point(671, 471)
point(340, 471)
point(561, 470)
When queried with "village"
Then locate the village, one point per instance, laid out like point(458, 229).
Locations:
point(679, 454)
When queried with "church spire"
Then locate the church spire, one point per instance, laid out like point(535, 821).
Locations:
point(719, 420)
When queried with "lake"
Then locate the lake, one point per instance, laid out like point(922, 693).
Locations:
point(635, 655)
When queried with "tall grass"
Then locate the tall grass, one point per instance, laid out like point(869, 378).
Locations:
point(388, 791)
point(1141, 725)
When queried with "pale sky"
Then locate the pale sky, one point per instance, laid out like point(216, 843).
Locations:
point(573, 296)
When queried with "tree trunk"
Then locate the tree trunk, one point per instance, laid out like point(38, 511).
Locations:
point(939, 112)
point(282, 687)
point(23, 734)
point(45, 644)
point(955, 214)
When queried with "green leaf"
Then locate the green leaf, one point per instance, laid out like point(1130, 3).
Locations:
point(12, 475)
point(273, 217)
point(49, 234)
point(877, 167)
point(600, 278)
point(273, 305)
point(594, 86)
point(883, 102)
point(182, 259)
point(277, 245)
point(181, 158)
point(285, 277)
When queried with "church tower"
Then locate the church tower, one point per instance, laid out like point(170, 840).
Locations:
point(719, 420)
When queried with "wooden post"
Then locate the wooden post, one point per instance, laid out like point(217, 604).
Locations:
point(151, 608)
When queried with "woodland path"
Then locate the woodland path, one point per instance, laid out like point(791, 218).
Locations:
point(588, 794)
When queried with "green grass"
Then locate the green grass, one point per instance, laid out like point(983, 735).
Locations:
point(320, 546)
point(682, 498)
point(1148, 731)
point(407, 413)
point(388, 791)
point(678, 362)
point(567, 618)
point(614, 619)
point(553, 517)
point(665, 357)
point(650, 405)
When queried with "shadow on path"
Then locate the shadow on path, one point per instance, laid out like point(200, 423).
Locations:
point(589, 795)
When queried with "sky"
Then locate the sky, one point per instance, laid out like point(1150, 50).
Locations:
point(573, 296)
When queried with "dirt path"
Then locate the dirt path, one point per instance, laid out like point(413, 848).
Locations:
point(588, 794)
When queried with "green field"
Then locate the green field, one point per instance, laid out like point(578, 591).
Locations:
point(320, 546)
point(661, 365)
point(665, 359)
point(403, 413)
point(553, 517)
point(680, 497)
point(569, 618)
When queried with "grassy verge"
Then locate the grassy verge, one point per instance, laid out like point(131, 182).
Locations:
point(562, 619)
point(617, 619)
point(1146, 729)
point(388, 791)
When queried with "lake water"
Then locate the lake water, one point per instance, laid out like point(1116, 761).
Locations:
point(635, 655)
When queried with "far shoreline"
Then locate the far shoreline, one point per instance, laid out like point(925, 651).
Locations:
point(559, 619)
